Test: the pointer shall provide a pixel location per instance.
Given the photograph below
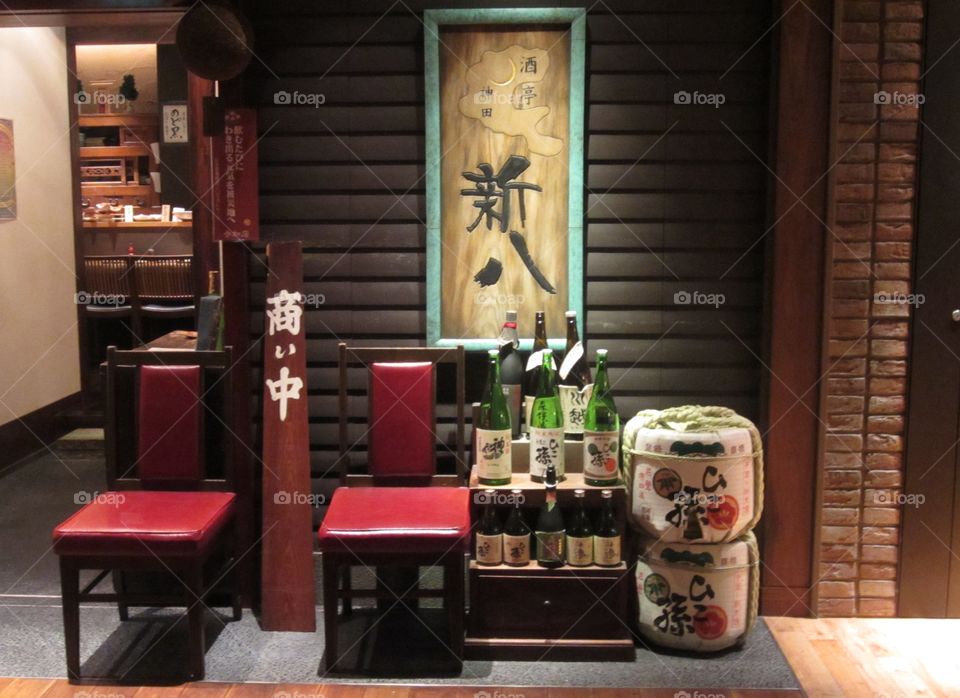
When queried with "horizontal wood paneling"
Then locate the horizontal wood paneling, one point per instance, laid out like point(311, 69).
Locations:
point(675, 202)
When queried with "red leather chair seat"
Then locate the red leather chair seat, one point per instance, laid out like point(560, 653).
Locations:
point(145, 523)
point(397, 519)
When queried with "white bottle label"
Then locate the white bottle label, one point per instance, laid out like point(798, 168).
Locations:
point(601, 455)
point(606, 551)
point(489, 549)
point(574, 404)
point(580, 551)
point(550, 546)
point(516, 549)
point(546, 447)
point(572, 357)
point(494, 459)
point(535, 360)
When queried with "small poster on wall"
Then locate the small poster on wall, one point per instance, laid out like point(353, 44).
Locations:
point(175, 128)
point(8, 176)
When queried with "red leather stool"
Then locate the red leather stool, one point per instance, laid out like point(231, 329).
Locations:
point(398, 518)
point(162, 527)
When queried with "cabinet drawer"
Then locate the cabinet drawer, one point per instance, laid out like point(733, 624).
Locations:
point(548, 606)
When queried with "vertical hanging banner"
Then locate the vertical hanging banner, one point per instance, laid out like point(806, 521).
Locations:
point(236, 202)
point(287, 578)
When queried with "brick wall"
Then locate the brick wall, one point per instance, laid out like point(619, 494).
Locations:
point(874, 196)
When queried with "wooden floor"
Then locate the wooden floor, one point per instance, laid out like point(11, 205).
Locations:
point(879, 658)
point(882, 658)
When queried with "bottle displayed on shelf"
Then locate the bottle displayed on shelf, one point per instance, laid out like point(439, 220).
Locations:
point(550, 532)
point(494, 453)
point(516, 535)
point(546, 424)
point(574, 380)
point(574, 369)
point(579, 534)
point(531, 375)
point(601, 431)
point(606, 539)
point(489, 544)
point(511, 369)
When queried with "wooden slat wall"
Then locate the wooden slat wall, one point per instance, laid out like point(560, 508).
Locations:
point(685, 211)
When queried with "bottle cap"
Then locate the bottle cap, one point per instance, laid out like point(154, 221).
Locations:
point(606, 494)
point(492, 353)
point(601, 352)
point(511, 316)
point(579, 493)
point(571, 313)
point(516, 491)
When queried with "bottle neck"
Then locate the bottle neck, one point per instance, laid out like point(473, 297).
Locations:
point(540, 333)
point(601, 382)
point(509, 335)
point(573, 335)
point(493, 373)
point(545, 378)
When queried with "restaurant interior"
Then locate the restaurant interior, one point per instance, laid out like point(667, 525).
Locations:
point(511, 349)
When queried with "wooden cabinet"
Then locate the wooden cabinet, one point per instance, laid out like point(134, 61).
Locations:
point(118, 172)
point(531, 612)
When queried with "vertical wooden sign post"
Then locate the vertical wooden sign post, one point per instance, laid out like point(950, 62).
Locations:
point(287, 578)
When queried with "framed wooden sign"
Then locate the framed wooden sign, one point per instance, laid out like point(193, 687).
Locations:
point(8, 172)
point(504, 174)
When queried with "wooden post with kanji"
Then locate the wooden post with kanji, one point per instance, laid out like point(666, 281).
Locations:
point(287, 578)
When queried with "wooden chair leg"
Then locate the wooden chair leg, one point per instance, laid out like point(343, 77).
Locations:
point(453, 572)
point(195, 618)
point(347, 587)
point(331, 573)
point(120, 580)
point(70, 592)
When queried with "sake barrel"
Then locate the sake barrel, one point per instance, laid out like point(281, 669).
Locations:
point(693, 486)
point(698, 597)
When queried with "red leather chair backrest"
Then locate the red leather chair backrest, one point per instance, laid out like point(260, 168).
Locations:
point(401, 441)
point(168, 425)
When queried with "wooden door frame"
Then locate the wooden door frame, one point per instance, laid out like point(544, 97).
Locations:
point(931, 526)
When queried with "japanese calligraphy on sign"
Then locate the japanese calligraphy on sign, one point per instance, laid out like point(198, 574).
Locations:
point(504, 176)
point(236, 210)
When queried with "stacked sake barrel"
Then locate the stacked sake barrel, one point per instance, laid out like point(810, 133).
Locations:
point(696, 491)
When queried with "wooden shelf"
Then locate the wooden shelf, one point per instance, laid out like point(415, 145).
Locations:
point(534, 568)
point(114, 151)
point(534, 492)
point(117, 119)
point(114, 189)
point(136, 225)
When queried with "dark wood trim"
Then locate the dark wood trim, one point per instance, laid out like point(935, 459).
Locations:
point(35, 430)
point(801, 156)
point(928, 585)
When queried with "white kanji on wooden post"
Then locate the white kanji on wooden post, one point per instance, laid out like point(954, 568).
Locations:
point(284, 315)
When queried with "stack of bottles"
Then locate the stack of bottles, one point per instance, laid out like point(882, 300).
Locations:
point(560, 406)
point(577, 538)
point(696, 492)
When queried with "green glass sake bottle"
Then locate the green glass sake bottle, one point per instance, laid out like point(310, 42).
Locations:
point(516, 534)
point(550, 532)
point(546, 423)
point(579, 534)
point(494, 466)
point(489, 543)
point(601, 431)
point(606, 539)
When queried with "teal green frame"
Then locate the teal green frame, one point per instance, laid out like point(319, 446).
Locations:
point(433, 20)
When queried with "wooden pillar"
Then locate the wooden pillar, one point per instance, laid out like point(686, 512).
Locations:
point(288, 598)
point(795, 265)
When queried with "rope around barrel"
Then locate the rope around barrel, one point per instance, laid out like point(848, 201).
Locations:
point(695, 418)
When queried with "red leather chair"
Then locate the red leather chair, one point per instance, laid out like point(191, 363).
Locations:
point(392, 515)
point(161, 514)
